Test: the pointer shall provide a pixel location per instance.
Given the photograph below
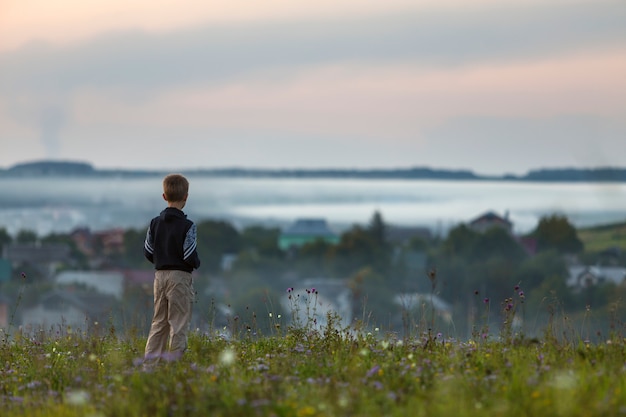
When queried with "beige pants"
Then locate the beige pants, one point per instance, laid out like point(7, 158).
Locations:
point(173, 301)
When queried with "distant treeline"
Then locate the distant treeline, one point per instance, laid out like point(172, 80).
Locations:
point(70, 168)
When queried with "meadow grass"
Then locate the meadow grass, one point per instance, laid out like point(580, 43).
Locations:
point(311, 370)
point(598, 238)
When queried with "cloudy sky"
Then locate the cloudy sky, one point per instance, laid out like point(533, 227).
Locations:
point(495, 87)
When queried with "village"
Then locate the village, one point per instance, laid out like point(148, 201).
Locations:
point(91, 280)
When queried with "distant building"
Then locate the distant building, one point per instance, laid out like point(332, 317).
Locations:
point(76, 310)
point(5, 270)
point(582, 276)
point(305, 231)
point(104, 282)
point(43, 257)
point(332, 296)
point(418, 301)
point(142, 279)
point(111, 241)
point(105, 242)
point(490, 220)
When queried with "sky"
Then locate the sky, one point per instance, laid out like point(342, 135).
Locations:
point(485, 85)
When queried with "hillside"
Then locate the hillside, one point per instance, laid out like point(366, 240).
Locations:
point(599, 238)
point(73, 168)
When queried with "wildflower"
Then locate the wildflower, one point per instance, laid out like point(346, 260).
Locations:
point(290, 289)
point(373, 371)
point(521, 294)
point(475, 292)
point(78, 397)
point(516, 288)
point(486, 301)
point(227, 357)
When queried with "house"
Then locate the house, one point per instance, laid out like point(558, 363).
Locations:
point(489, 220)
point(305, 231)
point(418, 302)
point(43, 257)
point(76, 310)
point(5, 270)
point(582, 276)
point(138, 278)
point(328, 296)
point(105, 242)
point(104, 282)
point(82, 238)
point(111, 241)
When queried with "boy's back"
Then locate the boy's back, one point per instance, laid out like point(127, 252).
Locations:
point(171, 242)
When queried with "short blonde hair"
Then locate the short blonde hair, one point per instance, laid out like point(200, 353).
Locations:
point(175, 187)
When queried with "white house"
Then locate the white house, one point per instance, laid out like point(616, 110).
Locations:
point(75, 310)
point(324, 296)
point(104, 282)
point(583, 276)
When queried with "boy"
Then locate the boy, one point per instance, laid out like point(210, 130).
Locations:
point(171, 246)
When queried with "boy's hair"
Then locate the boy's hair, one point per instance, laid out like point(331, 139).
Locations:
point(175, 187)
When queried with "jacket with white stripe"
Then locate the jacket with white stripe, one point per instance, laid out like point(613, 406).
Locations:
point(171, 242)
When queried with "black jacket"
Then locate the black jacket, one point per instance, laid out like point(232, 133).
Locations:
point(171, 241)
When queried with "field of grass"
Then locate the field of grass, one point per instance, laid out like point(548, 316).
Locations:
point(602, 237)
point(307, 370)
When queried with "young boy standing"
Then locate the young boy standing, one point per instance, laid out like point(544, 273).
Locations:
point(171, 246)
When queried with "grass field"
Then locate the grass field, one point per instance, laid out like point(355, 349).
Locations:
point(602, 237)
point(307, 370)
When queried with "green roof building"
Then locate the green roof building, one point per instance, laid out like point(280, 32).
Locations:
point(5, 270)
point(305, 231)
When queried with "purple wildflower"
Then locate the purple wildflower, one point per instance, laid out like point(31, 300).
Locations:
point(373, 371)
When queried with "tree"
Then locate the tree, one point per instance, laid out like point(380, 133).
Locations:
point(26, 236)
point(78, 259)
point(496, 243)
point(356, 250)
point(5, 238)
point(313, 258)
point(459, 241)
point(372, 298)
point(262, 240)
point(216, 238)
point(556, 232)
point(378, 230)
point(536, 270)
point(133, 248)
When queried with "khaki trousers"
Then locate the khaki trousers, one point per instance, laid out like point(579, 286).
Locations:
point(173, 301)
